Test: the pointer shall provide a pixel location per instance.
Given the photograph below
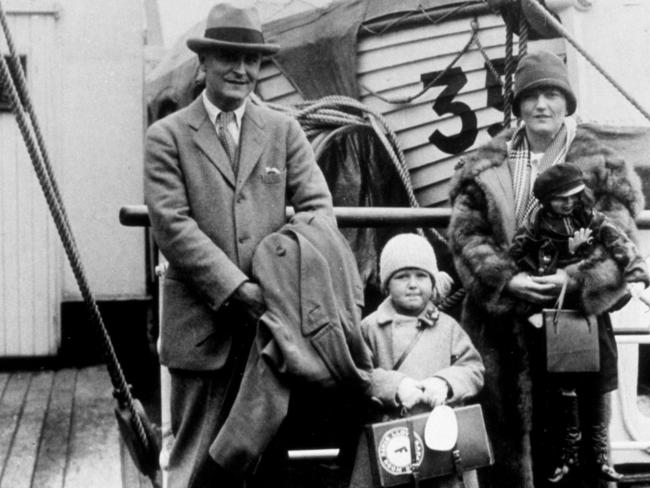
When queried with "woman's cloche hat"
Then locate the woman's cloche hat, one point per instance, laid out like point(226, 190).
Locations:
point(233, 27)
point(541, 69)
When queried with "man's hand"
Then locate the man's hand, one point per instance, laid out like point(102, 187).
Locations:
point(436, 391)
point(580, 237)
point(528, 288)
point(409, 393)
point(250, 294)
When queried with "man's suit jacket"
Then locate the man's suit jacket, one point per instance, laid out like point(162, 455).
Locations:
point(207, 222)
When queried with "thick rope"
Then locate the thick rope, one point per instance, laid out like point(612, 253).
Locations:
point(325, 113)
point(509, 70)
point(27, 104)
point(523, 35)
point(563, 32)
point(60, 220)
point(486, 58)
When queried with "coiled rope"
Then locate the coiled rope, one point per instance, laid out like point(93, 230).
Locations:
point(29, 128)
point(333, 112)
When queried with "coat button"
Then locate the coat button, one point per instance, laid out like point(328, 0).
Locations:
point(281, 251)
point(241, 198)
point(242, 239)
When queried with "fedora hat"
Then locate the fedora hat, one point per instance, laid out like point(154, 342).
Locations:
point(232, 27)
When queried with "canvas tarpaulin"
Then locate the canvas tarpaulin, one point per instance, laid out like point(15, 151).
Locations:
point(318, 48)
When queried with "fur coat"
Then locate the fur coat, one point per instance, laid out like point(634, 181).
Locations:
point(481, 230)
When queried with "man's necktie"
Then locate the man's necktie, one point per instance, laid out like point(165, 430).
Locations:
point(224, 119)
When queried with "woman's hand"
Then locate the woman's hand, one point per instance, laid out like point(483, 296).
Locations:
point(528, 288)
point(556, 281)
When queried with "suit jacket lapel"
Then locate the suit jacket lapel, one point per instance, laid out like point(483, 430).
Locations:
point(206, 138)
point(251, 141)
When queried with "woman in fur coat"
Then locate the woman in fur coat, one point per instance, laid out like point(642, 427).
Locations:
point(491, 197)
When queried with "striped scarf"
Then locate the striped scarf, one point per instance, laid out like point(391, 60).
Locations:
point(519, 155)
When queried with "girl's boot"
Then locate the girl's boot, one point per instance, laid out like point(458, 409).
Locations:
point(569, 436)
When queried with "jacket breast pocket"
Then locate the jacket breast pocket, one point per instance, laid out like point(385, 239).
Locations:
point(272, 176)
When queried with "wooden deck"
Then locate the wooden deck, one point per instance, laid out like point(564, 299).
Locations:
point(58, 430)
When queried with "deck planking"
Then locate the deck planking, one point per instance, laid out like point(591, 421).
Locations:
point(58, 430)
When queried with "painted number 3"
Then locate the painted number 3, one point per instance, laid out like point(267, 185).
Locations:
point(454, 80)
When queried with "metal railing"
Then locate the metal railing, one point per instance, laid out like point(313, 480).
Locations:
point(137, 216)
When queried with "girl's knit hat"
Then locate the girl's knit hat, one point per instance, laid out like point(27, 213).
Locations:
point(406, 251)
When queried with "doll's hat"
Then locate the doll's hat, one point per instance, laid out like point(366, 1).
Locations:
point(560, 180)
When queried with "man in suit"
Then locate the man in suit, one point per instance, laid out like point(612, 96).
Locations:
point(218, 175)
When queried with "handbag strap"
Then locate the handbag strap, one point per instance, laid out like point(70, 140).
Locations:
point(415, 468)
point(408, 349)
point(560, 301)
point(458, 466)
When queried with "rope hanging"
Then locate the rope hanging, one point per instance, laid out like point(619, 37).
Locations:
point(509, 70)
point(523, 35)
point(28, 107)
point(326, 113)
point(401, 101)
point(29, 130)
point(564, 33)
point(410, 14)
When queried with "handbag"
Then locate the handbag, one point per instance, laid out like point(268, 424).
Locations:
point(399, 455)
point(571, 339)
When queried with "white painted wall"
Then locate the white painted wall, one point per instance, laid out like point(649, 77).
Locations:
point(85, 77)
point(30, 277)
point(617, 34)
point(101, 115)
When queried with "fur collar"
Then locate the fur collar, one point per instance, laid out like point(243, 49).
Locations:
point(606, 173)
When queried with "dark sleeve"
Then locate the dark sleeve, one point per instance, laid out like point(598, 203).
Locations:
point(525, 246)
point(624, 252)
point(613, 262)
point(481, 260)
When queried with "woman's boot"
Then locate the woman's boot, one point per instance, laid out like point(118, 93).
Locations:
point(599, 440)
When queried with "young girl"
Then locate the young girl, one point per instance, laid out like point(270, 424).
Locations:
point(567, 233)
point(421, 356)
